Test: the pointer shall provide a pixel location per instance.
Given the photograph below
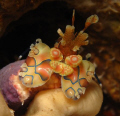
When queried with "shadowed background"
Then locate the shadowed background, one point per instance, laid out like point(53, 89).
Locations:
point(22, 21)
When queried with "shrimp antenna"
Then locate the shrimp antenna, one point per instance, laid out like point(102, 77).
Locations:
point(20, 57)
point(98, 80)
point(73, 17)
point(27, 50)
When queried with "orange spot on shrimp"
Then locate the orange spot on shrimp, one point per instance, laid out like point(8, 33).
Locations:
point(30, 61)
point(73, 60)
point(55, 54)
point(83, 82)
point(74, 76)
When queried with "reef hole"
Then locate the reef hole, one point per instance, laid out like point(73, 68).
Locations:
point(42, 22)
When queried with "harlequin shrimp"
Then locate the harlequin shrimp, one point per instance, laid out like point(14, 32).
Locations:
point(63, 59)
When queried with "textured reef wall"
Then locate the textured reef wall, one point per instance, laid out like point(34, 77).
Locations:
point(104, 36)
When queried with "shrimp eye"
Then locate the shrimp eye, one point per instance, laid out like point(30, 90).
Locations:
point(37, 42)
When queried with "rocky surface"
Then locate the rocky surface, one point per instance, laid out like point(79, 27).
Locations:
point(4, 109)
point(13, 10)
